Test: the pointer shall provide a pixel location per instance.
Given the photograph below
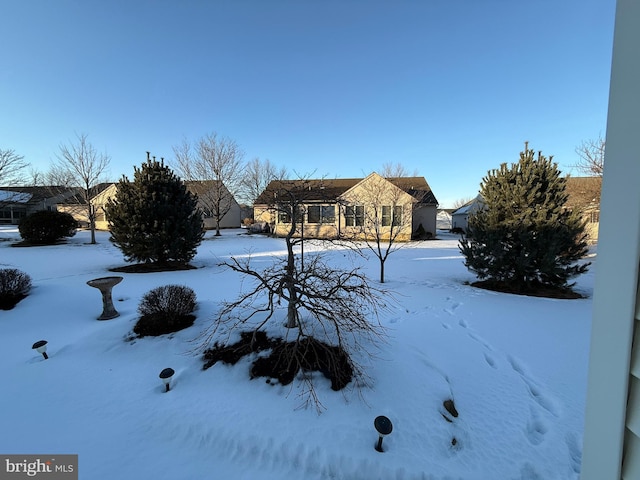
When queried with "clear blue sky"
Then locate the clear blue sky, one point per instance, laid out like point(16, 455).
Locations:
point(448, 88)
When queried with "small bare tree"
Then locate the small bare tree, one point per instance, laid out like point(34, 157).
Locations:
point(79, 165)
point(379, 213)
point(214, 168)
point(321, 302)
point(591, 153)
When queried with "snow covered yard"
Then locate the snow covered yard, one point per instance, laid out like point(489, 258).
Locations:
point(516, 368)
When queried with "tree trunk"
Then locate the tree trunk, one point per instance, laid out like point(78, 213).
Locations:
point(292, 307)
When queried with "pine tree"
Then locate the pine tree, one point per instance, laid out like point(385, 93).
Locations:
point(154, 218)
point(524, 238)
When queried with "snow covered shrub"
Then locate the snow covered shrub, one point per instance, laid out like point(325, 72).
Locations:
point(166, 309)
point(14, 286)
point(47, 227)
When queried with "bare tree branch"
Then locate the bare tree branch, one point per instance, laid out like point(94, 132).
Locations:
point(12, 167)
point(256, 177)
point(591, 153)
point(79, 165)
point(214, 166)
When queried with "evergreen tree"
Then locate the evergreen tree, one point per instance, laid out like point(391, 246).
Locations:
point(154, 218)
point(524, 238)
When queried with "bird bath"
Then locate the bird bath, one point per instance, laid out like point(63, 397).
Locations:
point(105, 284)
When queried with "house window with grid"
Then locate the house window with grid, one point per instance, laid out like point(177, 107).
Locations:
point(354, 216)
point(321, 214)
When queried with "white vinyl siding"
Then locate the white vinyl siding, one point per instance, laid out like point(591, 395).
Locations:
point(611, 447)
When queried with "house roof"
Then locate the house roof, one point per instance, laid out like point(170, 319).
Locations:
point(11, 196)
point(326, 190)
point(471, 206)
point(583, 191)
point(38, 194)
point(93, 191)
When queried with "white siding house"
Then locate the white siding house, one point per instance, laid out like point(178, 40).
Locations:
point(460, 217)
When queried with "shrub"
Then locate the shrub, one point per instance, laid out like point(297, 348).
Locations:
point(166, 309)
point(525, 239)
point(14, 286)
point(154, 218)
point(47, 227)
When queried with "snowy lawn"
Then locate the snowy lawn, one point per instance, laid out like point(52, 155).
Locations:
point(515, 366)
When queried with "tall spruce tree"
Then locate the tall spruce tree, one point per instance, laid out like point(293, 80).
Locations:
point(524, 238)
point(154, 218)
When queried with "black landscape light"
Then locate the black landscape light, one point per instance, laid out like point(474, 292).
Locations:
point(166, 375)
point(41, 347)
point(384, 427)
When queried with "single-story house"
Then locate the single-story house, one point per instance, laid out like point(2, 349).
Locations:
point(105, 191)
point(460, 216)
point(18, 202)
point(444, 219)
point(349, 207)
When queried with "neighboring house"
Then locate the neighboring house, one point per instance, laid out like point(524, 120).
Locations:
point(584, 193)
point(212, 195)
point(444, 220)
point(342, 208)
point(105, 191)
point(77, 206)
point(18, 202)
point(460, 216)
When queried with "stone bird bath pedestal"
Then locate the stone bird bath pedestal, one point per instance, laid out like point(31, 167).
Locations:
point(105, 284)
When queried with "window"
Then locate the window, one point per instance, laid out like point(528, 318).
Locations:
point(321, 214)
point(284, 217)
point(391, 215)
point(329, 214)
point(594, 217)
point(397, 216)
point(354, 216)
point(313, 214)
point(386, 215)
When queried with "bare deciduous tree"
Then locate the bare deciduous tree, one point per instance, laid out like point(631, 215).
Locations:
point(321, 302)
point(216, 163)
point(461, 202)
point(379, 213)
point(12, 167)
point(256, 176)
point(80, 165)
point(396, 170)
point(591, 153)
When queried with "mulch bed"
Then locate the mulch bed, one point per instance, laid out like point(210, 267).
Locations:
point(535, 290)
point(154, 267)
point(286, 359)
